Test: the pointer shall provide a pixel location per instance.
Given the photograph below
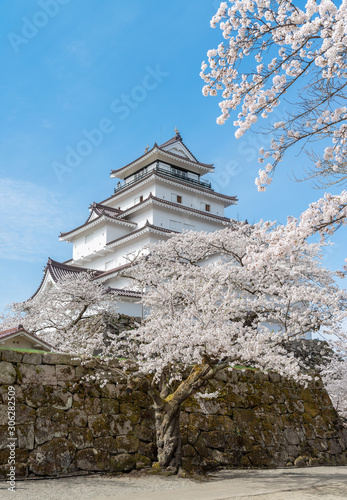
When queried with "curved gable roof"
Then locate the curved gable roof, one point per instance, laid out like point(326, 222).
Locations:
point(186, 156)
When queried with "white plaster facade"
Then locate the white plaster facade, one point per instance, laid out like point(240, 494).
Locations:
point(159, 193)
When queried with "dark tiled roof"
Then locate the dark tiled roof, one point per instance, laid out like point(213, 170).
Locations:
point(171, 203)
point(204, 190)
point(176, 138)
point(101, 209)
point(139, 158)
point(156, 228)
point(126, 293)
point(208, 165)
point(176, 180)
point(57, 271)
point(113, 214)
point(111, 271)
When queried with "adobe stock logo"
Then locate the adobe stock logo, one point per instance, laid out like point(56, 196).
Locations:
point(30, 27)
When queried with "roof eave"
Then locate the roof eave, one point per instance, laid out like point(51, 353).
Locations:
point(157, 153)
point(69, 236)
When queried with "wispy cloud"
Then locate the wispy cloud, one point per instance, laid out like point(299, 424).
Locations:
point(30, 219)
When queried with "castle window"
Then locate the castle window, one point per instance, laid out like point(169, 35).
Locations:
point(205, 207)
point(176, 198)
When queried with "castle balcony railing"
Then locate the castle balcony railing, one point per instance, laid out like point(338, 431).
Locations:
point(172, 172)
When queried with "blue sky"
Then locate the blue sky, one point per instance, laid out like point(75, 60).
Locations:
point(125, 74)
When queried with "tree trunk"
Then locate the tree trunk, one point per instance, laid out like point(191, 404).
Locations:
point(167, 408)
point(167, 421)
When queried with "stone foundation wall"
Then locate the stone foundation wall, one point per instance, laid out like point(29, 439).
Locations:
point(64, 426)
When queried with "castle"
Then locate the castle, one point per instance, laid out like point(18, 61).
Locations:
point(160, 193)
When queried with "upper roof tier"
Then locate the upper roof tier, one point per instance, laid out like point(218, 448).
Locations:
point(173, 151)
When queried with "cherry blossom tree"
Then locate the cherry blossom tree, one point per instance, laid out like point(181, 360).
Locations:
point(211, 308)
point(276, 48)
point(334, 376)
point(214, 301)
point(63, 312)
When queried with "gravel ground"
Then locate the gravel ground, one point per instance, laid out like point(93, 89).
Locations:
point(328, 483)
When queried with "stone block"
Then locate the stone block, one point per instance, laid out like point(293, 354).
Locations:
point(4, 390)
point(77, 418)
point(311, 409)
point(21, 455)
point(65, 372)
point(142, 461)
point(219, 457)
point(127, 444)
point(99, 425)
point(220, 423)
point(21, 471)
point(52, 358)
point(109, 406)
point(106, 443)
point(122, 463)
point(243, 417)
point(188, 451)
point(52, 414)
point(37, 374)
point(61, 399)
point(143, 433)
point(3, 436)
point(54, 458)
point(334, 447)
point(92, 406)
point(25, 436)
point(131, 412)
point(3, 415)
point(24, 414)
point(201, 448)
point(92, 460)
point(120, 425)
point(148, 450)
point(261, 457)
point(199, 421)
point(32, 358)
point(80, 372)
point(214, 439)
point(7, 373)
point(110, 391)
point(45, 430)
point(192, 434)
point(11, 356)
point(81, 437)
point(37, 395)
point(78, 401)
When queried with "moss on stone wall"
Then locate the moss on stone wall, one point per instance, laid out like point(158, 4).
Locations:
point(64, 427)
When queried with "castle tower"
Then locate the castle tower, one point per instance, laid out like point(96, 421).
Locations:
point(159, 193)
